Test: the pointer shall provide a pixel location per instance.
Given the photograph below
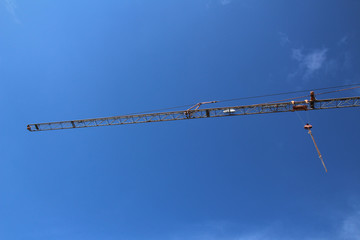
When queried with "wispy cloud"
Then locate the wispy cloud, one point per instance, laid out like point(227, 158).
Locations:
point(11, 6)
point(347, 228)
point(284, 38)
point(343, 40)
point(308, 62)
point(312, 61)
point(351, 227)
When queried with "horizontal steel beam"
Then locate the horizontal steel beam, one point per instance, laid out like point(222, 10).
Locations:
point(200, 113)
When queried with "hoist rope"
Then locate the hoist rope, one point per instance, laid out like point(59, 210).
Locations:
point(308, 116)
point(300, 118)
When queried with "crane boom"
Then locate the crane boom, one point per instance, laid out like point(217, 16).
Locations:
point(201, 113)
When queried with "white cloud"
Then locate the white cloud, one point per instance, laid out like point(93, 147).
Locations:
point(11, 6)
point(351, 227)
point(347, 228)
point(297, 54)
point(315, 60)
point(309, 62)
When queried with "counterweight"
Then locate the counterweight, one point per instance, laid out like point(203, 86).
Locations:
point(201, 113)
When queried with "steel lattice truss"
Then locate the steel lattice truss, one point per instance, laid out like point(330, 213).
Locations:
point(200, 113)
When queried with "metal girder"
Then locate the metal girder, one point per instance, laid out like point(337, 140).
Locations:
point(200, 113)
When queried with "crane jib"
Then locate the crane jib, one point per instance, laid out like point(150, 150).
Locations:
point(201, 113)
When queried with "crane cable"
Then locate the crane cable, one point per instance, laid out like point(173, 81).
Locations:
point(339, 90)
point(259, 96)
point(285, 93)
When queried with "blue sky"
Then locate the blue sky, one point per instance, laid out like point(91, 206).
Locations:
point(242, 178)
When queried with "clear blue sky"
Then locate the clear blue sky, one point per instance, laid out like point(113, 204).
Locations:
point(241, 178)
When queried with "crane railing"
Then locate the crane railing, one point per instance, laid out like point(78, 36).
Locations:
point(200, 113)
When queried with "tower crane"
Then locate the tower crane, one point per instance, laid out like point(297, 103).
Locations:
point(195, 112)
